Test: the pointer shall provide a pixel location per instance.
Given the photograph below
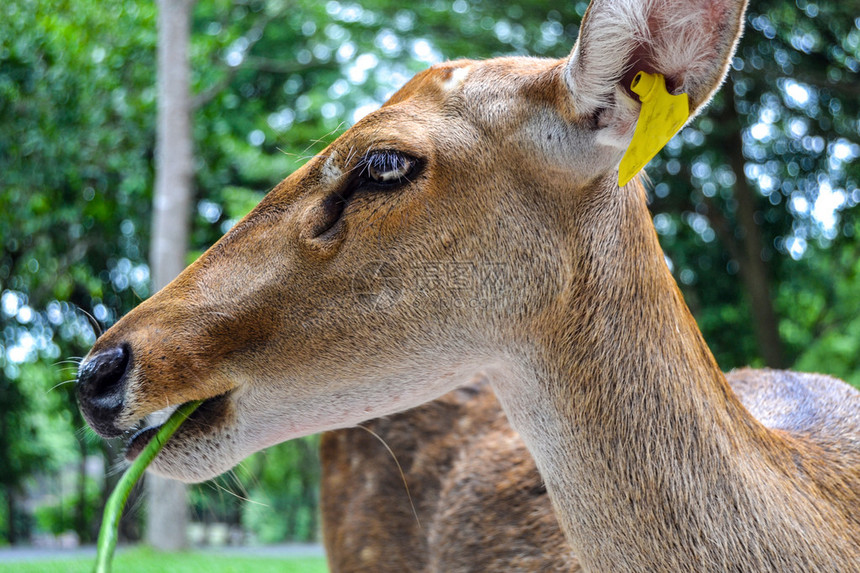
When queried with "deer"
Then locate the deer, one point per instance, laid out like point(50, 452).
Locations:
point(315, 313)
point(447, 486)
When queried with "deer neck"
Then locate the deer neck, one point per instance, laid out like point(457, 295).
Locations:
point(622, 404)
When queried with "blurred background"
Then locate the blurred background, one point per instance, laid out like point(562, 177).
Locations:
point(756, 204)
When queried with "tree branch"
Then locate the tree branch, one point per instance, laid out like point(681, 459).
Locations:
point(255, 34)
point(286, 66)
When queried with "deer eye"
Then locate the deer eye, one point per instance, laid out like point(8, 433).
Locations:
point(377, 170)
point(387, 168)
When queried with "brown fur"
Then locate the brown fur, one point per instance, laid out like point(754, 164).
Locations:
point(480, 502)
point(513, 253)
point(479, 499)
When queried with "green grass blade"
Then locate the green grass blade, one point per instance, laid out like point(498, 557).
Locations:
point(116, 502)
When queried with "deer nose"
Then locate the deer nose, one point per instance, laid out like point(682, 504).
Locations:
point(101, 388)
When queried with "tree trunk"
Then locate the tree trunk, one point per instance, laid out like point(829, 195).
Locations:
point(754, 272)
point(167, 500)
point(11, 516)
point(753, 269)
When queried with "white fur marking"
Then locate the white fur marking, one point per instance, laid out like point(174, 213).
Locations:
point(330, 171)
point(458, 76)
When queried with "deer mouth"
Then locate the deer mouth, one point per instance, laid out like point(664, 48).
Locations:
point(208, 416)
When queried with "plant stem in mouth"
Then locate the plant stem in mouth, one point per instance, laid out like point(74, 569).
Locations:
point(116, 502)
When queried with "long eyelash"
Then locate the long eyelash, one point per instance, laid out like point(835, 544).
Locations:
point(381, 161)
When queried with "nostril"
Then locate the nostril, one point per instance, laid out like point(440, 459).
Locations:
point(101, 378)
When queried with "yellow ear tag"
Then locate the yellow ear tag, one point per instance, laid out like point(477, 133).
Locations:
point(661, 116)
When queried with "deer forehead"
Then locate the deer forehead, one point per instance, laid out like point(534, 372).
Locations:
point(511, 110)
point(492, 93)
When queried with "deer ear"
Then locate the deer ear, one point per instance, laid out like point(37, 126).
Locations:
point(689, 42)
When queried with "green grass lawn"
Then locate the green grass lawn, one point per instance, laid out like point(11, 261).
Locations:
point(145, 560)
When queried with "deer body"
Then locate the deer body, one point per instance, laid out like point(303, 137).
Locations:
point(479, 502)
point(651, 460)
point(478, 498)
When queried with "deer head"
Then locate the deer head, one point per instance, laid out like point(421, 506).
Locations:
point(432, 240)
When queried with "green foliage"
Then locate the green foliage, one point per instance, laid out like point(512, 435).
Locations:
point(285, 481)
point(60, 517)
point(75, 178)
point(827, 321)
point(282, 483)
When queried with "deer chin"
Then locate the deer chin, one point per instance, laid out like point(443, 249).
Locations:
point(227, 428)
point(204, 446)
